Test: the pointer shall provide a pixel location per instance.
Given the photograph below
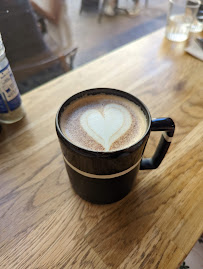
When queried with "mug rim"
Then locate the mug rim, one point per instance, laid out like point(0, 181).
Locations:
point(96, 91)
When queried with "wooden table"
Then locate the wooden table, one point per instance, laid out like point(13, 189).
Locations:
point(44, 224)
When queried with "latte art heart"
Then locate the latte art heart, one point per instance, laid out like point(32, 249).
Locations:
point(107, 127)
point(103, 122)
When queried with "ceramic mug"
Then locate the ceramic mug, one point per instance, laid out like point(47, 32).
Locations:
point(106, 177)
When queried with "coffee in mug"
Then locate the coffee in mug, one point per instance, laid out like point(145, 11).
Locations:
point(103, 123)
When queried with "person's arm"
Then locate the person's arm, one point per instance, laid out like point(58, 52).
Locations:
point(54, 13)
point(56, 7)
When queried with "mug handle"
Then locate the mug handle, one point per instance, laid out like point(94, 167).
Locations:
point(168, 127)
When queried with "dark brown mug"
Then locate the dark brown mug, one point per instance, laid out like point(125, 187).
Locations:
point(106, 177)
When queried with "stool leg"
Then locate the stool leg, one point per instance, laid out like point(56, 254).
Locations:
point(101, 10)
point(81, 7)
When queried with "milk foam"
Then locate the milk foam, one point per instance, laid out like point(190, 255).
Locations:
point(103, 123)
point(106, 128)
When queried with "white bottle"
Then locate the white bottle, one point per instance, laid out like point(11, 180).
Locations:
point(11, 109)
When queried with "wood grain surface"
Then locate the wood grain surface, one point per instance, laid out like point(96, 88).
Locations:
point(44, 224)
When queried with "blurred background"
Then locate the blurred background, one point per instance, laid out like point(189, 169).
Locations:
point(47, 38)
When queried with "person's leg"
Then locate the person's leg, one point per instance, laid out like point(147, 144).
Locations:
point(135, 9)
point(136, 3)
point(109, 7)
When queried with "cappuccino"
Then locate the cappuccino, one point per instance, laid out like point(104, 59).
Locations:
point(103, 123)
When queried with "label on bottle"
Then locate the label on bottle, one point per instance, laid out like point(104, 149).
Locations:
point(3, 107)
point(10, 96)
